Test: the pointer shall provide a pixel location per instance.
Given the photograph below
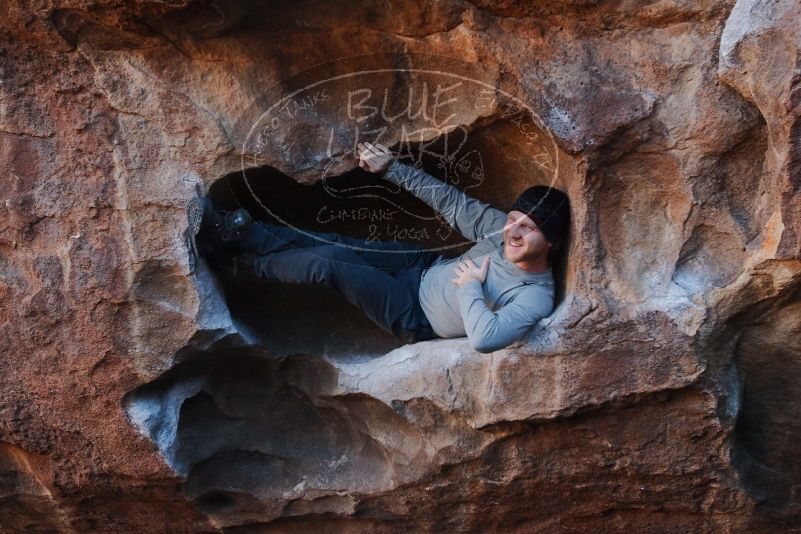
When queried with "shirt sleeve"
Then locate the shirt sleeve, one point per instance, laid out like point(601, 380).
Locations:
point(470, 217)
point(489, 331)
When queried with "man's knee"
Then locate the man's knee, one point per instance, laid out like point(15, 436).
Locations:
point(334, 261)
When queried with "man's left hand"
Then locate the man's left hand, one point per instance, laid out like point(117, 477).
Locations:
point(467, 270)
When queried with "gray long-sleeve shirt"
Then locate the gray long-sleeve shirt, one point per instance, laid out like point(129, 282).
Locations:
point(510, 301)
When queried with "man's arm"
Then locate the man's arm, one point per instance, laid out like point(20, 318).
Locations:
point(489, 331)
point(468, 216)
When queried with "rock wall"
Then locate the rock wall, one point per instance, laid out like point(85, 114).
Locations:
point(145, 392)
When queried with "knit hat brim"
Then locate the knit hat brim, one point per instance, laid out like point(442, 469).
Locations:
point(548, 207)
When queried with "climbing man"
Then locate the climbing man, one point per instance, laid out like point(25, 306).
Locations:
point(493, 293)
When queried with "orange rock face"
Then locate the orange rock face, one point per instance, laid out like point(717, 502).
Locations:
point(144, 391)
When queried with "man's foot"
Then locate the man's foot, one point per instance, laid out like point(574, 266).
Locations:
point(209, 229)
point(234, 224)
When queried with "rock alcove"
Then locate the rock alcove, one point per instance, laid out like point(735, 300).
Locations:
point(255, 421)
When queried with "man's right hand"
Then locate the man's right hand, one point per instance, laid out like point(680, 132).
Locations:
point(374, 157)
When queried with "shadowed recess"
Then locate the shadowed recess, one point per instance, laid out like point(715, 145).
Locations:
point(245, 429)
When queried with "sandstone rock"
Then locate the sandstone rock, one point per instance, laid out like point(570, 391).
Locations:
point(142, 391)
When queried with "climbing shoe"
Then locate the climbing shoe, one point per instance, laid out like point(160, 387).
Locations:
point(231, 226)
point(213, 230)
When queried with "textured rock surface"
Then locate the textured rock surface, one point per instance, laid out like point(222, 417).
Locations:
point(142, 393)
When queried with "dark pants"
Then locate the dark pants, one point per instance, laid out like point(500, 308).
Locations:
point(380, 278)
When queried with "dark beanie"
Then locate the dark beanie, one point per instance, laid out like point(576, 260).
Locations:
point(548, 207)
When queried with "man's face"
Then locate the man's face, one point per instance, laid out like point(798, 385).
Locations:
point(522, 238)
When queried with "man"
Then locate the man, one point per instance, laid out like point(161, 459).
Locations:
point(493, 293)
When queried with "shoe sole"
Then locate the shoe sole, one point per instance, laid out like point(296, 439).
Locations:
point(194, 219)
point(194, 215)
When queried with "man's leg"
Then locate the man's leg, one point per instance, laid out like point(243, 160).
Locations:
point(390, 256)
point(392, 303)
